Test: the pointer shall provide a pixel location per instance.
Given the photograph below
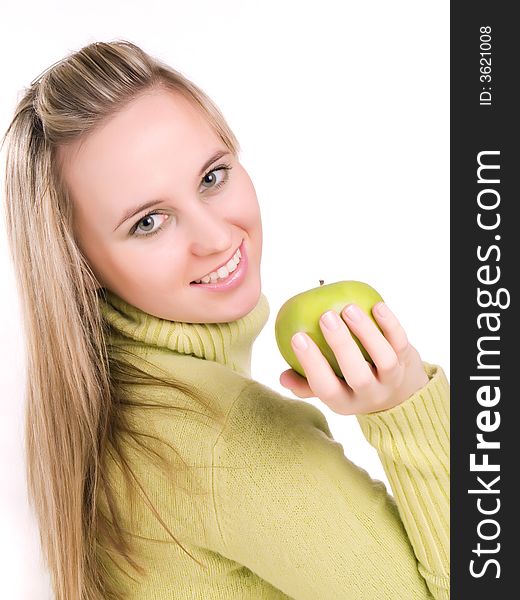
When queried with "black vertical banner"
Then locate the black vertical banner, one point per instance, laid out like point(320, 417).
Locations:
point(485, 267)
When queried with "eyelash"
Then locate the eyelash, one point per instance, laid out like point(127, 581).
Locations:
point(223, 167)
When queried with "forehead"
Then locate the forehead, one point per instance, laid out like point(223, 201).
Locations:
point(158, 131)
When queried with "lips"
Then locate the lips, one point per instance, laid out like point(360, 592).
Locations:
point(221, 265)
point(233, 281)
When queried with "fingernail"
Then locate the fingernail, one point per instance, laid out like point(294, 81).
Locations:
point(353, 312)
point(330, 319)
point(299, 341)
point(382, 309)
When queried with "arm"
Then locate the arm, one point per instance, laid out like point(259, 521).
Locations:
point(402, 405)
point(413, 442)
point(294, 510)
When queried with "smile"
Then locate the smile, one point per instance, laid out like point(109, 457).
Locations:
point(228, 276)
point(223, 271)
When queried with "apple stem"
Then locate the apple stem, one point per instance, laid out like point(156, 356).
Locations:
point(322, 281)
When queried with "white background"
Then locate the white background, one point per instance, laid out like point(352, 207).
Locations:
point(342, 112)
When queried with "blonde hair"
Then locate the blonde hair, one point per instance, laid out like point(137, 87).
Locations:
point(75, 387)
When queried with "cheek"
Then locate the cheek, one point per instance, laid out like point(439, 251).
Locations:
point(119, 265)
point(92, 250)
point(245, 204)
point(145, 259)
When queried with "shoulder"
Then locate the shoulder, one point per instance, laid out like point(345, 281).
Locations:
point(267, 430)
point(276, 457)
point(179, 409)
point(178, 380)
point(259, 406)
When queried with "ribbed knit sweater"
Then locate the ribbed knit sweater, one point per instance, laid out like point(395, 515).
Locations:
point(267, 502)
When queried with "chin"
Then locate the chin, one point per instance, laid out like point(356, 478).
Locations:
point(234, 310)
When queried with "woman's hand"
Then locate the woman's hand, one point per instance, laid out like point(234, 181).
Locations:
point(397, 375)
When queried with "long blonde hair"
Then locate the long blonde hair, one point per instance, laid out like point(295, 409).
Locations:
point(75, 387)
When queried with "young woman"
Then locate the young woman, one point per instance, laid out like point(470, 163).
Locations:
point(156, 466)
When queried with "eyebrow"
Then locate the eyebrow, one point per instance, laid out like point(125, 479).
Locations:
point(137, 209)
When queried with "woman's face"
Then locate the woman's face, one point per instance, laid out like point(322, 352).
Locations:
point(160, 150)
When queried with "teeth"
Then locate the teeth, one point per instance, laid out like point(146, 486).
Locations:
point(224, 271)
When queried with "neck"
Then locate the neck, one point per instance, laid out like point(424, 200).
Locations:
point(228, 343)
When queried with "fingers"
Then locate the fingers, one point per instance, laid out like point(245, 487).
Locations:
point(296, 383)
point(394, 332)
point(375, 343)
point(322, 380)
point(363, 383)
point(352, 363)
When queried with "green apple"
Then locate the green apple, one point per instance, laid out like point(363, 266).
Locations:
point(303, 311)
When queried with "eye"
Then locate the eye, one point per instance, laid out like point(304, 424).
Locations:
point(149, 223)
point(210, 177)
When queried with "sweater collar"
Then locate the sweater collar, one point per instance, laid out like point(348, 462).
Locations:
point(227, 343)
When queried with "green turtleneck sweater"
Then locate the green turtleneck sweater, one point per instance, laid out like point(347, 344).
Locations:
point(267, 502)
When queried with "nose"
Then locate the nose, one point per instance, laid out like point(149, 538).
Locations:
point(207, 233)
